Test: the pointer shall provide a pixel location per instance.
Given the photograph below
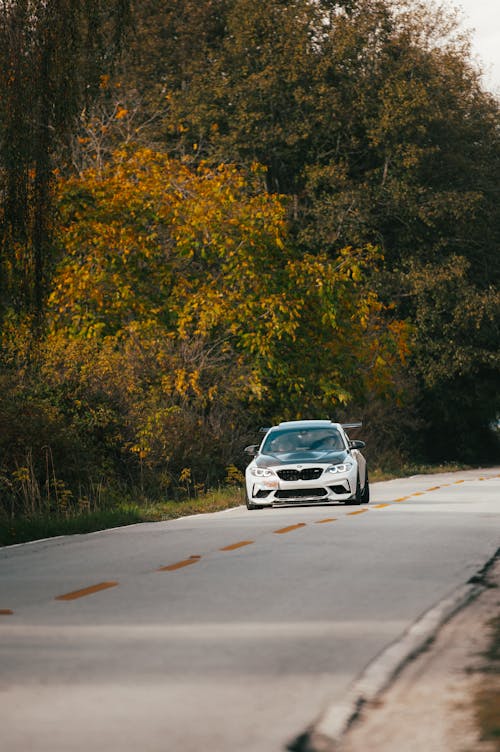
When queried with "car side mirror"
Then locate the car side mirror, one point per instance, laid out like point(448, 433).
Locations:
point(356, 444)
point(252, 449)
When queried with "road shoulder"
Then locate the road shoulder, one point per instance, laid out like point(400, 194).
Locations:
point(430, 705)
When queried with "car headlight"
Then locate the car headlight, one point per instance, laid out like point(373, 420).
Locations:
point(262, 472)
point(343, 467)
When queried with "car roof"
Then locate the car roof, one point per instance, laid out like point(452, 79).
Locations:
point(306, 424)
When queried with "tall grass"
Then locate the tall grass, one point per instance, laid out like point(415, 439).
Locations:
point(30, 491)
point(20, 529)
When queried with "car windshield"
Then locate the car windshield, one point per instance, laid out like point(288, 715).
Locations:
point(310, 439)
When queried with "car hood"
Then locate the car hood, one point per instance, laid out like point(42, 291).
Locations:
point(300, 458)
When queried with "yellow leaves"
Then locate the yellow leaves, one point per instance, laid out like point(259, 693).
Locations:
point(121, 113)
point(187, 382)
point(401, 333)
point(138, 450)
point(202, 255)
point(234, 477)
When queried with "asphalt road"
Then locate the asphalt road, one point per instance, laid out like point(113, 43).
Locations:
point(228, 632)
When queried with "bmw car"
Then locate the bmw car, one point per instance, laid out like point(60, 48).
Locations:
point(306, 462)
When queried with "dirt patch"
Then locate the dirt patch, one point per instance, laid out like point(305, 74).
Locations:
point(448, 698)
point(488, 698)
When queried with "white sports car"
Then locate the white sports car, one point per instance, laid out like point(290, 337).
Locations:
point(306, 462)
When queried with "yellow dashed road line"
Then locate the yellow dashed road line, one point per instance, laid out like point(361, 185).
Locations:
point(289, 528)
point(85, 591)
point(240, 544)
point(358, 511)
point(328, 519)
point(234, 546)
point(180, 564)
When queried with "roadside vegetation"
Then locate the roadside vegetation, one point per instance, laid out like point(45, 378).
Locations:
point(67, 520)
point(21, 529)
point(295, 218)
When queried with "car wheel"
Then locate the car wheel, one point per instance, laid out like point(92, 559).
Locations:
point(356, 499)
point(365, 493)
point(251, 505)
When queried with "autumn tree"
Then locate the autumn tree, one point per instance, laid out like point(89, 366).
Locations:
point(193, 272)
point(52, 56)
point(196, 291)
point(369, 113)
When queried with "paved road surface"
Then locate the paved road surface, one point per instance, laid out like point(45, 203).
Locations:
point(227, 632)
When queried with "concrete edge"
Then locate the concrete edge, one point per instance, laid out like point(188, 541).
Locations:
point(326, 733)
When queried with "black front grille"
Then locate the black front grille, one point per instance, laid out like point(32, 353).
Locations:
point(300, 493)
point(308, 473)
point(262, 494)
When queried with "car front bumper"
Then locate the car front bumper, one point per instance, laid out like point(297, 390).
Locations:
point(270, 492)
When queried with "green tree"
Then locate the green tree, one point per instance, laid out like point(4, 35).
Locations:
point(369, 113)
point(457, 360)
point(417, 144)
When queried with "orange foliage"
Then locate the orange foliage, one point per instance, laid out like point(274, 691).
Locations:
point(201, 261)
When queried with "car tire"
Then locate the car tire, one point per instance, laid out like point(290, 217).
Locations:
point(365, 493)
point(356, 499)
point(251, 506)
